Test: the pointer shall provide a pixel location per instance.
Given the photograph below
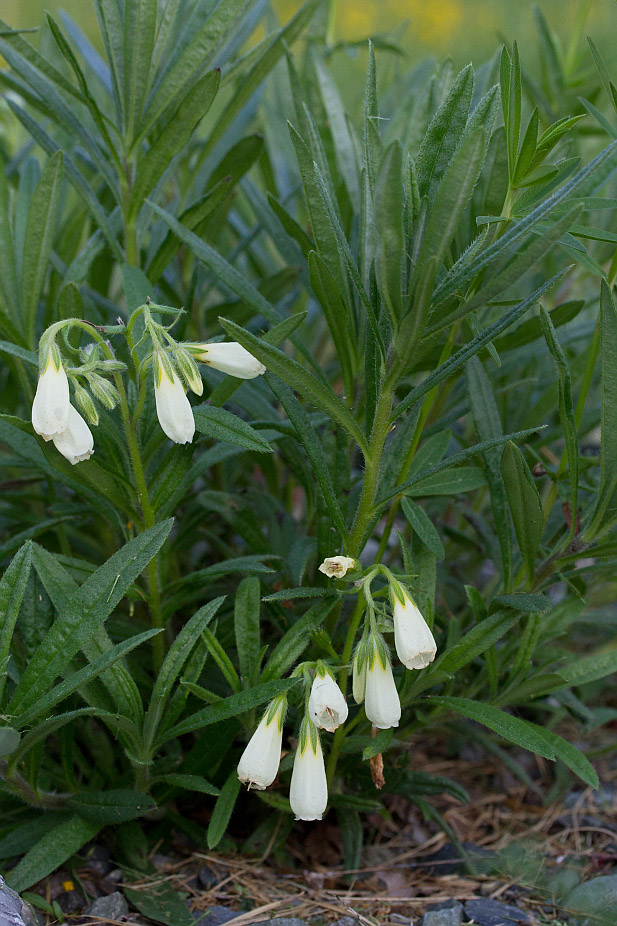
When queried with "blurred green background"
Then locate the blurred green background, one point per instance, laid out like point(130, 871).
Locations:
point(464, 29)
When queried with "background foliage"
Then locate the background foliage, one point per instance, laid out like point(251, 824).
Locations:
point(430, 288)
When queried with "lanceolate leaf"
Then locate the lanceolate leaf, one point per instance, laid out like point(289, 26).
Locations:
point(607, 496)
point(39, 237)
point(49, 853)
point(81, 612)
point(298, 377)
point(525, 505)
point(312, 445)
point(230, 707)
point(12, 588)
point(223, 426)
point(523, 733)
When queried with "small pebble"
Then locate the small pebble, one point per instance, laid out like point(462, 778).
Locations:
point(111, 907)
point(486, 912)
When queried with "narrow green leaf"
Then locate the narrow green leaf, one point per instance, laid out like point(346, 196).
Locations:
point(607, 495)
point(51, 851)
point(488, 426)
point(390, 236)
point(566, 410)
point(525, 505)
point(297, 638)
point(448, 482)
point(161, 904)
point(312, 446)
point(12, 588)
point(223, 270)
point(247, 605)
point(81, 612)
point(173, 664)
point(38, 242)
point(444, 132)
point(329, 297)
point(462, 274)
point(190, 783)
point(198, 56)
point(81, 678)
point(223, 809)
point(105, 808)
point(139, 35)
point(423, 526)
point(347, 257)
point(460, 358)
point(173, 138)
point(229, 707)
point(528, 735)
point(298, 377)
point(223, 426)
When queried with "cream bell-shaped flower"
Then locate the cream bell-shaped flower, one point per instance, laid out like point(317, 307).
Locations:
point(335, 567)
point(308, 794)
point(172, 405)
point(50, 409)
point(228, 357)
point(259, 763)
point(415, 644)
point(76, 442)
point(382, 703)
point(327, 705)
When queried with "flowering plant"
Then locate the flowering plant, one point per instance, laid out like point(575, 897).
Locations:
point(373, 517)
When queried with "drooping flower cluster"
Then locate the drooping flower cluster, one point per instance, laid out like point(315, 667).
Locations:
point(174, 368)
point(325, 709)
point(372, 678)
point(54, 418)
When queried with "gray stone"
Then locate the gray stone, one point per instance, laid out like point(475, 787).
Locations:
point(216, 916)
point(486, 912)
point(111, 907)
point(282, 921)
point(448, 913)
point(14, 911)
point(346, 921)
point(70, 902)
point(208, 877)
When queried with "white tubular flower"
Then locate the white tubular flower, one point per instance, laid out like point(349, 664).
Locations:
point(335, 567)
point(414, 642)
point(358, 674)
point(382, 704)
point(327, 705)
point(228, 357)
point(50, 409)
point(308, 794)
point(259, 763)
point(172, 406)
point(76, 442)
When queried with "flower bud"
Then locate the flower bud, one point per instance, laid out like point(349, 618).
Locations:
point(382, 703)
point(228, 357)
point(259, 763)
point(172, 406)
point(327, 705)
point(103, 391)
point(414, 642)
point(335, 567)
point(84, 400)
point(358, 673)
point(76, 442)
point(50, 409)
point(308, 794)
point(188, 370)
